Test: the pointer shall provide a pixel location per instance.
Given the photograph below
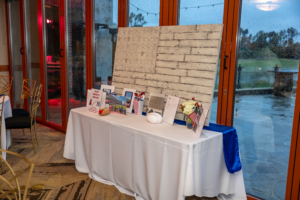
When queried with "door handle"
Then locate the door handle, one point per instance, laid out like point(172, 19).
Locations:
point(60, 53)
point(225, 57)
point(21, 50)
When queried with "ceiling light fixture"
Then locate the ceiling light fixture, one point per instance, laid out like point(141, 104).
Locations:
point(267, 7)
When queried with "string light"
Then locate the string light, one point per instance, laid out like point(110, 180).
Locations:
point(149, 13)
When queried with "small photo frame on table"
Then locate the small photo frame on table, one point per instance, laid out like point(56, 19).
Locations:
point(129, 95)
point(107, 89)
point(117, 104)
point(156, 103)
point(199, 117)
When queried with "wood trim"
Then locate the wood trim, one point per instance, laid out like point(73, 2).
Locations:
point(226, 93)
point(164, 12)
point(4, 68)
point(42, 58)
point(175, 13)
point(64, 91)
point(89, 43)
point(222, 74)
point(122, 13)
point(293, 178)
point(9, 50)
point(233, 63)
point(168, 12)
point(51, 124)
point(251, 198)
point(39, 120)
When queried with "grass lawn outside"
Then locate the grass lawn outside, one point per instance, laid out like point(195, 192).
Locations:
point(255, 72)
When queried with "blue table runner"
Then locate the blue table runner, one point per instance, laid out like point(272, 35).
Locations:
point(230, 145)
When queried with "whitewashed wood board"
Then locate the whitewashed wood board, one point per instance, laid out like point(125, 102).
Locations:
point(173, 60)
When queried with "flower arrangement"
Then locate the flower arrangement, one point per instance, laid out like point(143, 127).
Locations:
point(188, 107)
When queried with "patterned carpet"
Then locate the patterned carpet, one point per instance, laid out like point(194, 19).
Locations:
point(54, 177)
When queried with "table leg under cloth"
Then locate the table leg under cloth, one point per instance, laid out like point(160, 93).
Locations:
point(122, 151)
point(5, 134)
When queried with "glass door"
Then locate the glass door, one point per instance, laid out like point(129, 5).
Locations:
point(16, 50)
point(32, 43)
point(105, 40)
point(268, 65)
point(53, 66)
point(76, 53)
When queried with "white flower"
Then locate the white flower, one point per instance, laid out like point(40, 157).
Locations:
point(189, 107)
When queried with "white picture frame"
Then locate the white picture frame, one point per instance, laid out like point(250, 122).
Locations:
point(94, 101)
point(129, 91)
point(107, 89)
point(89, 94)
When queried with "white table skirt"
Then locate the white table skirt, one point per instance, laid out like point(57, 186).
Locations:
point(150, 161)
point(5, 141)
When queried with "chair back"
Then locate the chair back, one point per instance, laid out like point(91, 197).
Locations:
point(9, 184)
point(27, 90)
point(5, 84)
point(36, 100)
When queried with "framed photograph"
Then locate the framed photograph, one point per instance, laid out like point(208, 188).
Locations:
point(156, 103)
point(117, 104)
point(129, 95)
point(107, 89)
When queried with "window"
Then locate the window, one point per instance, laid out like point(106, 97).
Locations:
point(106, 31)
point(143, 13)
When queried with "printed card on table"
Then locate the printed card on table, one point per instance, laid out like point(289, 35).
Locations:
point(200, 118)
point(170, 109)
point(94, 101)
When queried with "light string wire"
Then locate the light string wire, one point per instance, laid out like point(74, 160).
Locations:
point(150, 13)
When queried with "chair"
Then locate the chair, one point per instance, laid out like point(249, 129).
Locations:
point(5, 84)
point(22, 122)
point(27, 91)
point(6, 187)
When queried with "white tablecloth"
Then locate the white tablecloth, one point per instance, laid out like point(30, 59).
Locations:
point(150, 161)
point(5, 141)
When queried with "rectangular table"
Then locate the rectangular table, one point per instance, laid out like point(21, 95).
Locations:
point(150, 161)
point(5, 134)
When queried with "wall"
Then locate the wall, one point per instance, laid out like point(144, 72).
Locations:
point(3, 41)
point(181, 62)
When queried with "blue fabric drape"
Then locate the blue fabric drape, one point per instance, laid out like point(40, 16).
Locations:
point(230, 146)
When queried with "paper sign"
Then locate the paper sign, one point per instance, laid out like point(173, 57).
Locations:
point(94, 101)
point(200, 120)
point(171, 109)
